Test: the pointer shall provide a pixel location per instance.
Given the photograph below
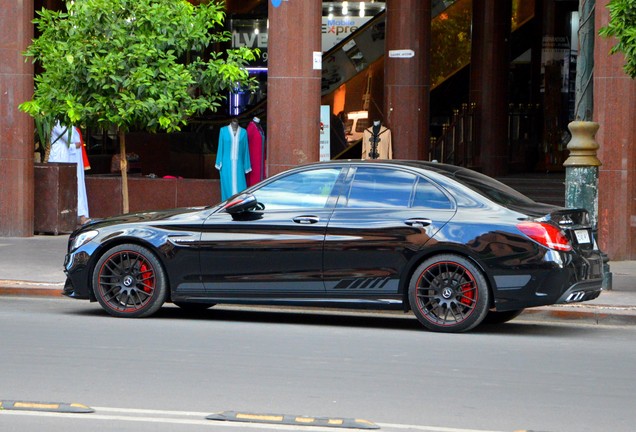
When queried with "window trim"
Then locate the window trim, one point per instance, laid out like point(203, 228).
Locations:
point(347, 187)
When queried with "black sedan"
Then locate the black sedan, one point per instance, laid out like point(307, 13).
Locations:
point(454, 246)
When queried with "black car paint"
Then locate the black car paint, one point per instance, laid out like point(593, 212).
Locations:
point(198, 259)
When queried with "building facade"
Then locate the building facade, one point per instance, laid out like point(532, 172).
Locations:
point(525, 67)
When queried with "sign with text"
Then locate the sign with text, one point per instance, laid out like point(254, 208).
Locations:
point(402, 53)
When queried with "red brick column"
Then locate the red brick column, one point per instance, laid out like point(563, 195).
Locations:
point(407, 80)
point(16, 130)
point(615, 111)
point(293, 93)
point(489, 82)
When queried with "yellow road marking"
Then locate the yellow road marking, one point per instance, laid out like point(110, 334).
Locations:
point(305, 420)
point(262, 417)
point(35, 405)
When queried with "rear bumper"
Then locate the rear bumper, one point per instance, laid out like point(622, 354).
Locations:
point(561, 278)
point(582, 291)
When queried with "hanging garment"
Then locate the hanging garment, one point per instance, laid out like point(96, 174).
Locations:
point(85, 161)
point(384, 148)
point(232, 160)
point(64, 148)
point(256, 140)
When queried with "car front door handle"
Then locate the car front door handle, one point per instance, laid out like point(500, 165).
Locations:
point(305, 220)
point(418, 222)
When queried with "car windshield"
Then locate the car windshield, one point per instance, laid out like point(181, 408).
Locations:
point(491, 188)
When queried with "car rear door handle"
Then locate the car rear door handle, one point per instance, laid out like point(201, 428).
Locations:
point(418, 222)
point(306, 219)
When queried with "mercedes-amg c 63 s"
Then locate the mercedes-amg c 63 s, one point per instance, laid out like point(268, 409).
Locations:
point(454, 246)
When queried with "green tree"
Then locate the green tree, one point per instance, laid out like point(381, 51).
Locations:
point(132, 65)
point(622, 26)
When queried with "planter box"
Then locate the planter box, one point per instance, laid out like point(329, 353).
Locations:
point(145, 194)
point(55, 190)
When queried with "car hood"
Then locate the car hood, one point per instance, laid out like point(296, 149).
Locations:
point(178, 215)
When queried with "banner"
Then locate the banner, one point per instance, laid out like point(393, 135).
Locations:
point(325, 132)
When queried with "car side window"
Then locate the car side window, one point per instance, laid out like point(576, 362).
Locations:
point(380, 187)
point(304, 189)
point(427, 195)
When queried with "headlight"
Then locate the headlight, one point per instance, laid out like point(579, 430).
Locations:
point(83, 238)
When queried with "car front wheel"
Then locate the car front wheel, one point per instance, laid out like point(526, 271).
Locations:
point(448, 293)
point(129, 282)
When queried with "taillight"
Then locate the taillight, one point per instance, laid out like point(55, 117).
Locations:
point(546, 234)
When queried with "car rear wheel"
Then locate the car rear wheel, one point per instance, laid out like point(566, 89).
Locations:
point(448, 293)
point(495, 317)
point(129, 282)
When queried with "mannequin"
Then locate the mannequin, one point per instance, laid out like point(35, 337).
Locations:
point(232, 159)
point(67, 147)
point(376, 142)
point(256, 141)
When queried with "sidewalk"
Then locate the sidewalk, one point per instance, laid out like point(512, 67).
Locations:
point(33, 266)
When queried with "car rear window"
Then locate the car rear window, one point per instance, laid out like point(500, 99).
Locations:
point(491, 188)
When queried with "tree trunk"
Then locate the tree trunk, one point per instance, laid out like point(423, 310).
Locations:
point(123, 164)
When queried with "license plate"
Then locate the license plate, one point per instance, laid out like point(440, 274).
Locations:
point(582, 236)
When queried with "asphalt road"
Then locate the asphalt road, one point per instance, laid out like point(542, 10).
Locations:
point(168, 372)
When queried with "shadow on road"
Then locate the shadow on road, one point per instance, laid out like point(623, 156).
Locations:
point(346, 318)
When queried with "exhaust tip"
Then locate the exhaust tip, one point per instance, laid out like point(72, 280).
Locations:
point(575, 297)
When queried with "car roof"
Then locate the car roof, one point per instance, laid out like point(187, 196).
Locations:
point(448, 170)
point(485, 186)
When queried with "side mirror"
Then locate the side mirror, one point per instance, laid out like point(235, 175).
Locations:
point(241, 204)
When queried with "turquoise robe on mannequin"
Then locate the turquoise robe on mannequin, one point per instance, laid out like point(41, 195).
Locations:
point(232, 160)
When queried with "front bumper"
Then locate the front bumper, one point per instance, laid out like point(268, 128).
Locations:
point(77, 272)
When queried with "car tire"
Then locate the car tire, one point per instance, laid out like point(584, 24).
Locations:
point(448, 293)
point(194, 307)
point(129, 282)
point(496, 317)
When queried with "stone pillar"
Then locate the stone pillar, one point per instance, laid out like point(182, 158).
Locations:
point(407, 80)
point(16, 131)
point(293, 85)
point(615, 111)
point(581, 169)
point(489, 70)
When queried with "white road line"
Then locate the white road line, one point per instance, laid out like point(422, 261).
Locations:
point(154, 412)
point(208, 423)
point(430, 428)
point(143, 418)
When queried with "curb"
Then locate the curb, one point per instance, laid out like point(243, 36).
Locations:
point(601, 314)
point(30, 289)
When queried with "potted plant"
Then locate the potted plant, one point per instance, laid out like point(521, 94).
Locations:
point(133, 65)
point(55, 184)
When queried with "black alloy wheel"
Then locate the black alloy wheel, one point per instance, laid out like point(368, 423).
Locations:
point(129, 282)
point(448, 293)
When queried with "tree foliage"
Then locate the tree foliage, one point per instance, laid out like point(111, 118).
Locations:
point(622, 26)
point(133, 64)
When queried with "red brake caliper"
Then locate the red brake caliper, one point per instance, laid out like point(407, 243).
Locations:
point(145, 275)
point(468, 294)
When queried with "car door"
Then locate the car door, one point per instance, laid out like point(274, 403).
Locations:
point(275, 252)
point(385, 217)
